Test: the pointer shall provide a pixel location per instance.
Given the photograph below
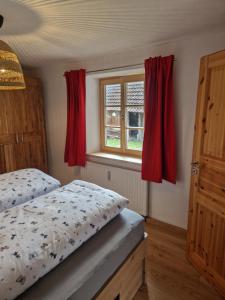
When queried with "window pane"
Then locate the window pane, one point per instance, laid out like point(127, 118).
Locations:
point(113, 94)
point(135, 116)
point(135, 93)
point(112, 116)
point(134, 139)
point(112, 137)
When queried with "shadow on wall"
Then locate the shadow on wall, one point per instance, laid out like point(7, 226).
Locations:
point(14, 14)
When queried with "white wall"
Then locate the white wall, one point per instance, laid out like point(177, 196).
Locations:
point(168, 203)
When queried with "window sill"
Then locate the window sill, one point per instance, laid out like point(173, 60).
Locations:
point(116, 160)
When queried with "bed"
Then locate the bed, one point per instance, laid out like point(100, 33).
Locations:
point(20, 186)
point(37, 236)
point(85, 272)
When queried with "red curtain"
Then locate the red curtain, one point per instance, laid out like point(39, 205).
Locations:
point(158, 155)
point(75, 149)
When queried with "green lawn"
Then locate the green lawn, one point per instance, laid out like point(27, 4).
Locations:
point(132, 145)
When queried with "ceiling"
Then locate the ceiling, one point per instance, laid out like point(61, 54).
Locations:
point(40, 30)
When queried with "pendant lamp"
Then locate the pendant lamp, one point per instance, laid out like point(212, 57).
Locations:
point(11, 74)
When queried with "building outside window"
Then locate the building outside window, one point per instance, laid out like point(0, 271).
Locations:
point(122, 114)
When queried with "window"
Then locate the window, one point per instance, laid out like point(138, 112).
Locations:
point(122, 114)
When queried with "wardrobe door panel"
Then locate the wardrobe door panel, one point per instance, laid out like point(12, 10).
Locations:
point(2, 160)
point(22, 155)
point(7, 113)
point(27, 106)
point(10, 151)
point(33, 151)
point(7, 159)
point(22, 128)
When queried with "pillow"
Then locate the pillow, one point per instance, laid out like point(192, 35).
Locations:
point(23, 185)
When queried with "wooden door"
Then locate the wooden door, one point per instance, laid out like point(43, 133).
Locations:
point(206, 229)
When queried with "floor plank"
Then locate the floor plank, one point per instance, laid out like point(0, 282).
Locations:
point(169, 275)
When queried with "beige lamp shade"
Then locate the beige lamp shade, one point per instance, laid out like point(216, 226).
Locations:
point(11, 74)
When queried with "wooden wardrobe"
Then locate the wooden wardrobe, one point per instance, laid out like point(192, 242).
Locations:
point(22, 128)
point(206, 229)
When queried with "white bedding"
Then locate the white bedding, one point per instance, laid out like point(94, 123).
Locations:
point(20, 186)
point(38, 235)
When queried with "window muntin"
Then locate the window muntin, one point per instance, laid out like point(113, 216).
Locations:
point(122, 114)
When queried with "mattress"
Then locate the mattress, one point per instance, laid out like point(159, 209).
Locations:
point(85, 271)
point(23, 185)
point(38, 235)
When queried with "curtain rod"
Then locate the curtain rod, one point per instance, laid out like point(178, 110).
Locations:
point(117, 68)
point(114, 68)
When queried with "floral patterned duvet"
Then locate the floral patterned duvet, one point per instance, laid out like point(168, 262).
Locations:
point(20, 186)
point(41, 233)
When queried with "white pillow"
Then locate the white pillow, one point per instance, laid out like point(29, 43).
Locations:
point(20, 186)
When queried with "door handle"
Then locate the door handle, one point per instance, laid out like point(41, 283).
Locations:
point(195, 167)
point(17, 138)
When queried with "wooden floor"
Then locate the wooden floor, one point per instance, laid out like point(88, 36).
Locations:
point(169, 275)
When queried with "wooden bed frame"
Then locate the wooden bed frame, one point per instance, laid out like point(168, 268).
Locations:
point(127, 280)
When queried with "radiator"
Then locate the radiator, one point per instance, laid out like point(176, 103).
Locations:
point(125, 182)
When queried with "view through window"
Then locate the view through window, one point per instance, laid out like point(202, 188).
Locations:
point(122, 114)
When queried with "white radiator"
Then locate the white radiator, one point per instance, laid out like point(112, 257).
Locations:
point(125, 182)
